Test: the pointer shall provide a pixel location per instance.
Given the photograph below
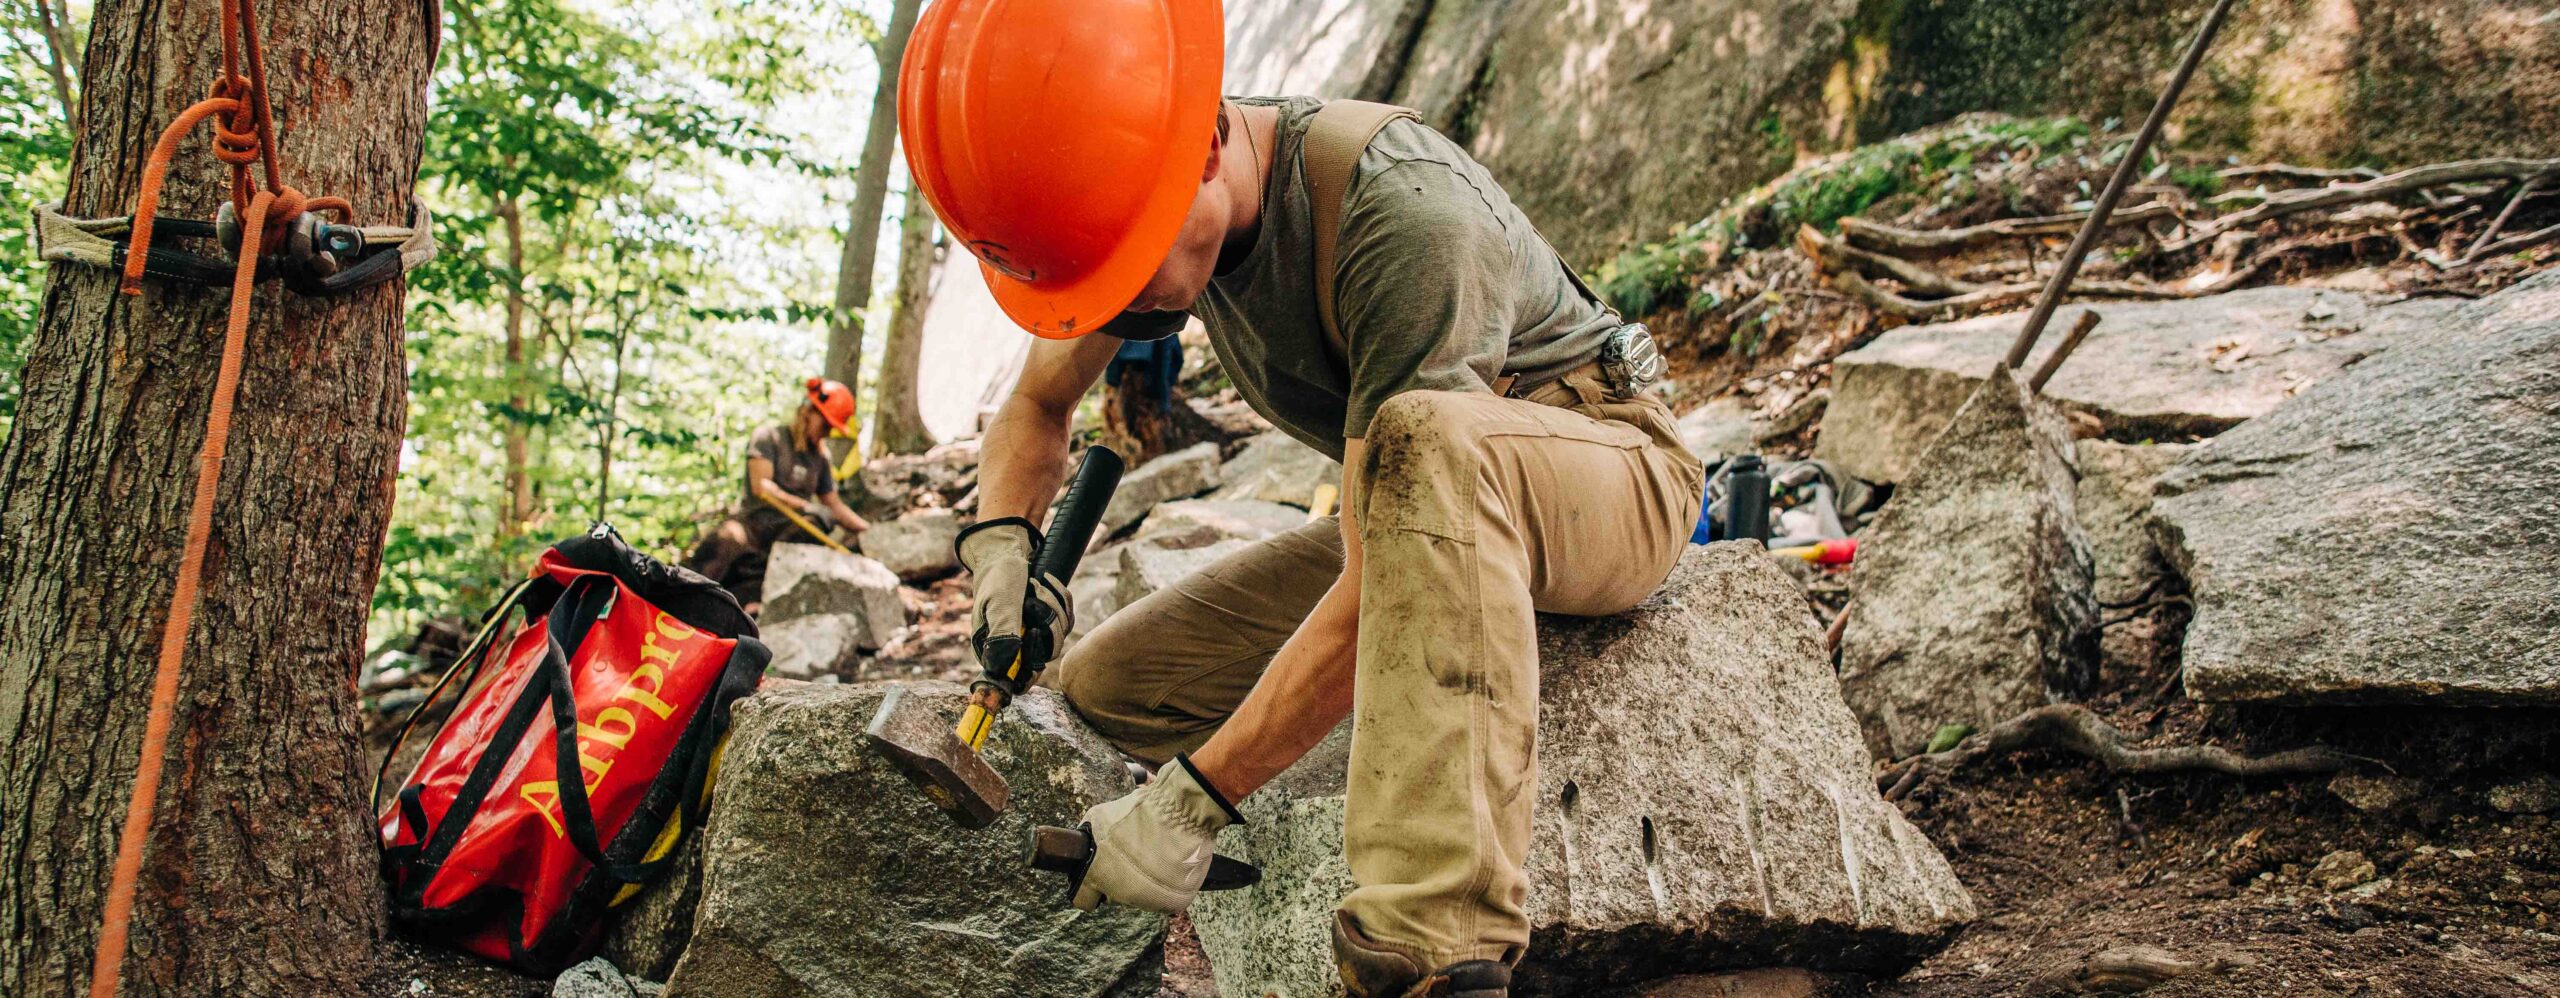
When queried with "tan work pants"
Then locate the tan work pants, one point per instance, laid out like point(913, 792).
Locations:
point(1476, 511)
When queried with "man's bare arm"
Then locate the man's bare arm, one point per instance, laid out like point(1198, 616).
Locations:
point(1024, 456)
point(1307, 689)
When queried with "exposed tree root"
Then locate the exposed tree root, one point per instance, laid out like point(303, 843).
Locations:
point(2405, 182)
point(1940, 242)
point(2075, 728)
point(2123, 970)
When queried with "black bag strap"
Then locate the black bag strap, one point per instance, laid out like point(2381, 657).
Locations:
point(586, 600)
point(474, 656)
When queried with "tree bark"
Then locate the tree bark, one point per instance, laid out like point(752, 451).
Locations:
point(518, 436)
point(259, 873)
point(870, 192)
point(897, 424)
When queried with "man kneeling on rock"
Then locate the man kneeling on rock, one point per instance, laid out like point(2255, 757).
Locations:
point(1499, 456)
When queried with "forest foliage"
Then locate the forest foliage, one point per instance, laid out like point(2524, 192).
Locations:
point(675, 169)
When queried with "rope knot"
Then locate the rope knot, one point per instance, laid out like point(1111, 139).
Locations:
point(235, 131)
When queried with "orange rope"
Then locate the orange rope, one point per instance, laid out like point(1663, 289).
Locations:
point(244, 133)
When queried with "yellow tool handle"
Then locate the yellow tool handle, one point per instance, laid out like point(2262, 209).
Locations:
point(985, 701)
point(803, 522)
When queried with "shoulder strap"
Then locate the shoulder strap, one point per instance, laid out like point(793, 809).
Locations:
point(1336, 136)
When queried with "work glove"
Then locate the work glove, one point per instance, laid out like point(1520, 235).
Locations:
point(1151, 849)
point(820, 518)
point(1014, 615)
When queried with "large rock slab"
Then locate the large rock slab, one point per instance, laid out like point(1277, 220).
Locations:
point(827, 873)
point(2151, 369)
point(1179, 475)
point(2114, 504)
point(2389, 535)
point(1970, 601)
point(1275, 467)
point(1704, 802)
point(917, 546)
point(824, 608)
point(1722, 428)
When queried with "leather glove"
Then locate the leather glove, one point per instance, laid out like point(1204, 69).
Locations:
point(1152, 848)
point(1014, 614)
point(820, 518)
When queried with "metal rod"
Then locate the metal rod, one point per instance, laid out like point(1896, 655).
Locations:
point(2062, 351)
point(2069, 266)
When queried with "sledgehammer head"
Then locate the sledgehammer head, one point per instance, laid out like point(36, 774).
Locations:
point(920, 742)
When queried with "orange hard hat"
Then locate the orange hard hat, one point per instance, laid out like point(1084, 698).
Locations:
point(1062, 141)
point(834, 401)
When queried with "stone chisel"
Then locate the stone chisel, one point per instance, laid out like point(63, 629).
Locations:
point(1070, 850)
point(942, 758)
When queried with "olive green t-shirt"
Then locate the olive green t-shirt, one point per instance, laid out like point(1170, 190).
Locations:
point(802, 473)
point(1442, 285)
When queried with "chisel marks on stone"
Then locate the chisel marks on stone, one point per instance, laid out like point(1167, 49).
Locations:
point(1747, 798)
point(1848, 857)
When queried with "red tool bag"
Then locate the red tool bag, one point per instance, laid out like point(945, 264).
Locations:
point(621, 673)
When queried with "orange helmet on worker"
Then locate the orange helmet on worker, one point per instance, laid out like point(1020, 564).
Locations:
point(833, 402)
point(1066, 143)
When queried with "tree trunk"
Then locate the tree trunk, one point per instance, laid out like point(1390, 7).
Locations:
point(870, 192)
point(259, 873)
point(897, 425)
point(518, 435)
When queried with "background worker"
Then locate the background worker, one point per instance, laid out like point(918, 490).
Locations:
point(786, 465)
point(1499, 456)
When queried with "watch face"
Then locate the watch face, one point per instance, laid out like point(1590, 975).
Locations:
point(1143, 327)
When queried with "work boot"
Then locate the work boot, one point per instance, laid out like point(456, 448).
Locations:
point(1374, 970)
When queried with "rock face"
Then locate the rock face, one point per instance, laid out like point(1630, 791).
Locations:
point(822, 609)
point(1737, 826)
point(1179, 475)
point(1970, 601)
point(2114, 504)
point(827, 873)
point(1275, 467)
point(2388, 535)
point(916, 546)
point(1611, 128)
point(2150, 369)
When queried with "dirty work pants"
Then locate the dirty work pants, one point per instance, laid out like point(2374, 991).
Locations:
point(732, 552)
point(1475, 510)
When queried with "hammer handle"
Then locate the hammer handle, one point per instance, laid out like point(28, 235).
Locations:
point(1088, 495)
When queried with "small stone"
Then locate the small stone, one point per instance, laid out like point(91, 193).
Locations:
point(2536, 794)
point(2375, 794)
point(1146, 568)
point(2343, 869)
point(1192, 523)
point(1179, 475)
point(917, 546)
point(1275, 467)
point(598, 978)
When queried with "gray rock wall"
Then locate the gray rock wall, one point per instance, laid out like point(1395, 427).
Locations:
point(1613, 123)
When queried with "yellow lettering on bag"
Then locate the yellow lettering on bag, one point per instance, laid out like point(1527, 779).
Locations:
point(674, 629)
point(647, 697)
point(544, 796)
point(602, 731)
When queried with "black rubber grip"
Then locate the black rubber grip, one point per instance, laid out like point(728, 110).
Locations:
point(1088, 494)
